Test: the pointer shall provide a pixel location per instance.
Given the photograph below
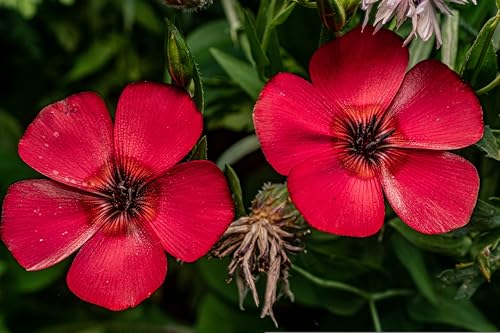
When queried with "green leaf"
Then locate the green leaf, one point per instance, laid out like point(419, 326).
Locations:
point(444, 244)
point(480, 65)
point(240, 72)
point(469, 279)
point(199, 152)
point(450, 38)
point(337, 302)
point(413, 260)
point(420, 50)
point(256, 50)
point(462, 314)
point(22, 281)
point(215, 316)
point(235, 187)
point(10, 133)
point(238, 150)
point(489, 144)
point(280, 17)
point(485, 216)
point(94, 58)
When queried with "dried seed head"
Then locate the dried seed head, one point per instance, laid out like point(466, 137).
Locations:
point(260, 243)
point(188, 4)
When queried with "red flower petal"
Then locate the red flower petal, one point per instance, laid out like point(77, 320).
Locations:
point(71, 141)
point(195, 208)
point(118, 270)
point(44, 222)
point(292, 121)
point(361, 70)
point(336, 201)
point(432, 192)
point(156, 126)
point(434, 109)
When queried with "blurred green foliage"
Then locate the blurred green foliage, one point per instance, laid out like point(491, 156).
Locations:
point(53, 48)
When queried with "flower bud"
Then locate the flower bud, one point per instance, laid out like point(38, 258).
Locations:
point(335, 14)
point(260, 243)
point(179, 62)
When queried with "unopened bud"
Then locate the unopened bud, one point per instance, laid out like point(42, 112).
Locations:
point(335, 14)
point(179, 62)
point(260, 243)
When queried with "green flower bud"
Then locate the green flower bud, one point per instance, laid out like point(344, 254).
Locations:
point(179, 61)
point(335, 14)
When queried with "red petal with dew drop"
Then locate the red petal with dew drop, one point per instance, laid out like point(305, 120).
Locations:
point(195, 208)
point(434, 109)
point(293, 122)
point(432, 192)
point(44, 222)
point(360, 71)
point(118, 270)
point(156, 126)
point(335, 200)
point(71, 141)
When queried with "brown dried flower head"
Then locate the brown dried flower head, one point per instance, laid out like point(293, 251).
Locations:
point(260, 243)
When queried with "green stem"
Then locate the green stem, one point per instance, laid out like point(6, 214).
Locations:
point(391, 293)
point(490, 86)
point(231, 12)
point(331, 284)
point(375, 318)
point(371, 298)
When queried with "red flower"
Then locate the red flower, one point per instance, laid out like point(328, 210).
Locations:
point(116, 193)
point(363, 126)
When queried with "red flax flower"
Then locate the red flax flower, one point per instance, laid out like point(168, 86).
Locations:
point(365, 127)
point(116, 192)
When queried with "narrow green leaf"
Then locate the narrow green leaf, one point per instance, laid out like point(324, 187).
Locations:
point(235, 187)
point(256, 50)
point(199, 152)
point(469, 280)
point(413, 261)
point(283, 14)
point(480, 65)
point(448, 245)
point(485, 216)
point(240, 72)
point(420, 50)
point(238, 150)
point(489, 144)
point(450, 38)
point(94, 58)
point(462, 314)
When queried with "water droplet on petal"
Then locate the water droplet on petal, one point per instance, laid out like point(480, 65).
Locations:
point(46, 144)
point(41, 239)
point(55, 172)
point(64, 233)
point(55, 134)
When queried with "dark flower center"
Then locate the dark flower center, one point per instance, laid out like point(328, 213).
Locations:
point(367, 139)
point(363, 144)
point(126, 195)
